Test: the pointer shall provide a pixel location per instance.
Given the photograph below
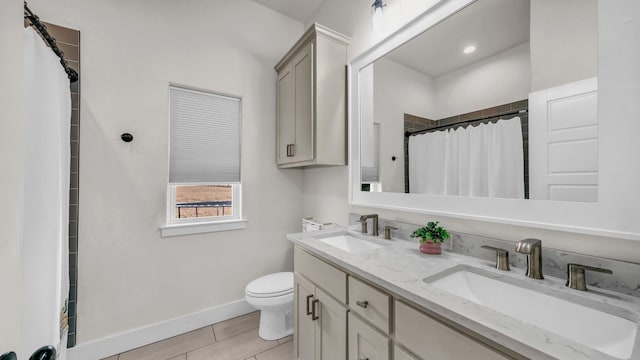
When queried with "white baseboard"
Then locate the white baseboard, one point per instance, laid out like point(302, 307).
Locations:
point(131, 339)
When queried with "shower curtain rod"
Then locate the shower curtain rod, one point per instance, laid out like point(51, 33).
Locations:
point(42, 29)
point(409, 133)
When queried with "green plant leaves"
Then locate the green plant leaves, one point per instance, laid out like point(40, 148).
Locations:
point(432, 232)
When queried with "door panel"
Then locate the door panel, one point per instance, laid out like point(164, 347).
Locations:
point(563, 142)
point(303, 92)
point(365, 342)
point(286, 117)
point(332, 334)
point(304, 325)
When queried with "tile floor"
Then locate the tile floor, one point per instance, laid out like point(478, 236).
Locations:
point(234, 339)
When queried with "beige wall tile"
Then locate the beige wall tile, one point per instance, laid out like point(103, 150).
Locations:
point(174, 346)
point(114, 357)
point(235, 326)
point(241, 346)
point(180, 357)
point(280, 352)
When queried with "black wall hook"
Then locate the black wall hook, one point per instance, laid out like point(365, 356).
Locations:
point(9, 356)
point(126, 137)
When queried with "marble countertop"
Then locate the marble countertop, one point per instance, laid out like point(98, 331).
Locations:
point(400, 268)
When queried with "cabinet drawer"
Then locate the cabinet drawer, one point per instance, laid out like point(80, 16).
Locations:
point(430, 339)
point(325, 276)
point(370, 303)
point(365, 342)
point(400, 354)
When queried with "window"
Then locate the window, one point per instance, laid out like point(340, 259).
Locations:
point(204, 162)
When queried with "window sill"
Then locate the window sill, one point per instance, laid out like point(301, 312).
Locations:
point(202, 227)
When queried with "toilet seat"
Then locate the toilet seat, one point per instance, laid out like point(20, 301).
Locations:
point(272, 285)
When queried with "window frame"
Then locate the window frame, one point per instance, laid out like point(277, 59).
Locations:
point(174, 226)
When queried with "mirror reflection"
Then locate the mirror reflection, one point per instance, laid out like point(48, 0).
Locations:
point(499, 100)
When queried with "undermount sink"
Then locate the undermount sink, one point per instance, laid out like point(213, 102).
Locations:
point(596, 327)
point(350, 244)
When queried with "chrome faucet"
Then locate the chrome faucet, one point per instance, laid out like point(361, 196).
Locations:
point(363, 221)
point(533, 249)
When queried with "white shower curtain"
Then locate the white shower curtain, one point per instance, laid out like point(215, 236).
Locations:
point(46, 198)
point(484, 160)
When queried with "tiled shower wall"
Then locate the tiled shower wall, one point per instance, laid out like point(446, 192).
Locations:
point(68, 41)
point(414, 123)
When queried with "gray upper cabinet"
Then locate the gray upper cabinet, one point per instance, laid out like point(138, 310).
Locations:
point(311, 101)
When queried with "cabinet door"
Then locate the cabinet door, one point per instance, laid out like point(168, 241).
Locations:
point(285, 117)
point(401, 354)
point(331, 336)
point(433, 340)
point(304, 336)
point(302, 68)
point(365, 342)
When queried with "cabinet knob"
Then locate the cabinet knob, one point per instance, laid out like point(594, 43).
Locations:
point(362, 304)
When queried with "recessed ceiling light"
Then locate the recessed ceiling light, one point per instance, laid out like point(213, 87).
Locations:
point(469, 49)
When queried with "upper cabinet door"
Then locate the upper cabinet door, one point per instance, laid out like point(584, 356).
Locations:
point(303, 93)
point(311, 115)
point(285, 113)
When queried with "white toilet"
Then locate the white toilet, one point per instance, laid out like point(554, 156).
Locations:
point(273, 295)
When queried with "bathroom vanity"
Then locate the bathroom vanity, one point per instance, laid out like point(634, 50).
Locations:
point(360, 297)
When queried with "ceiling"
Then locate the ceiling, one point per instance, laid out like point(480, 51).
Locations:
point(491, 25)
point(300, 10)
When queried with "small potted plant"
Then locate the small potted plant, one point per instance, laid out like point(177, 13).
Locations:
point(431, 237)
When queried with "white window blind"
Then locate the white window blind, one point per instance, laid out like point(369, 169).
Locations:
point(204, 137)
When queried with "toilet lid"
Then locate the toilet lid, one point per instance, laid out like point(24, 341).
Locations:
point(271, 285)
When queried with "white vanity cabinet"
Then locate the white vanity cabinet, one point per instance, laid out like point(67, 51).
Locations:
point(320, 311)
point(311, 101)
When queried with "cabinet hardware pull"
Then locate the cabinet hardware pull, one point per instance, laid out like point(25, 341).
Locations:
point(291, 150)
point(362, 304)
point(308, 298)
point(314, 315)
point(359, 358)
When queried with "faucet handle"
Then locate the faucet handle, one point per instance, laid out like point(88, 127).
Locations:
point(387, 231)
point(576, 278)
point(502, 257)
